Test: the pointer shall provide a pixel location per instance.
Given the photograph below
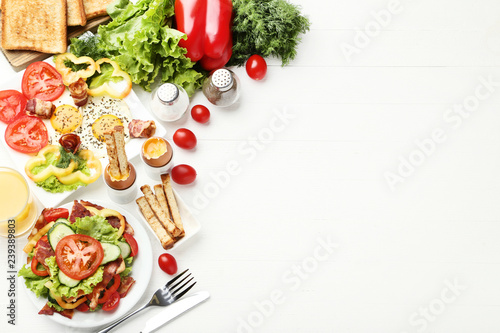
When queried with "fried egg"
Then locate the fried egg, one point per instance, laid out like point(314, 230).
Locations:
point(98, 114)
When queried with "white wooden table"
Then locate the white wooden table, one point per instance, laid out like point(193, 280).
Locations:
point(367, 188)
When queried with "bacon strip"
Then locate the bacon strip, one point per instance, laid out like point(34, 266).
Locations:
point(141, 128)
point(78, 211)
point(49, 311)
point(43, 251)
point(40, 223)
point(79, 92)
point(125, 285)
point(39, 108)
point(88, 203)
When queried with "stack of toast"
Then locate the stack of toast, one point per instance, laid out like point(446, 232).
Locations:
point(161, 212)
point(41, 25)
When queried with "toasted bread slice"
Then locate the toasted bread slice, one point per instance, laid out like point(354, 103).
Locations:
point(159, 212)
point(119, 135)
point(95, 8)
point(166, 241)
point(76, 13)
point(37, 25)
point(114, 170)
point(175, 215)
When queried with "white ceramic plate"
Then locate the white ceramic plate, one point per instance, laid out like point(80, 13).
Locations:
point(141, 272)
point(190, 223)
point(133, 147)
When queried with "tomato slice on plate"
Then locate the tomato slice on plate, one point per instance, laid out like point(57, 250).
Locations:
point(133, 244)
point(26, 134)
point(12, 103)
point(52, 214)
point(112, 302)
point(79, 256)
point(43, 81)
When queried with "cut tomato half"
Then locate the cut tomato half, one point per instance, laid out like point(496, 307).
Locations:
point(42, 81)
point(26, 134)
point(79, 256)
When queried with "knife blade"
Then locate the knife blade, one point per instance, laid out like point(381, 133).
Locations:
point(174, 310)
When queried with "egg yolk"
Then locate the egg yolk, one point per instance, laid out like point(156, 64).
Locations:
point(103, 124)
point(66, 119)
point(155, 147)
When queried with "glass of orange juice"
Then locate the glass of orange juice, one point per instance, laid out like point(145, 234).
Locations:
point(18, 210)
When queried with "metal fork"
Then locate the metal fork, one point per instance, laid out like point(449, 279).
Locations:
point(164, 296)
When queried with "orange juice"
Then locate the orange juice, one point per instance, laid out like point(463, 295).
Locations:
point(17, 209)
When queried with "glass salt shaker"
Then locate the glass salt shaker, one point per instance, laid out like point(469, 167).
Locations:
point(169, 102)
point(222, 87)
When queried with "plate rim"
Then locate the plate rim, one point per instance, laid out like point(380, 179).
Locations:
point(148, 269)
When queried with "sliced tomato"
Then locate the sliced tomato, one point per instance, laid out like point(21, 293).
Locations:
point(110, 290)
point(12, 103)
point(79, 256)
point(112, 302)
point(83, 307)
point(41, 80)
point(26, 134)
point(34, 268)
point(52, 214)
point(133, 244)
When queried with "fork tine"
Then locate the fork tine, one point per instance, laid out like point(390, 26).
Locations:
point(172, 287)
point(176, 297)
point(175, 278)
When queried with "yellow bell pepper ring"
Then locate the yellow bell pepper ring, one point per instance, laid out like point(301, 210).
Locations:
point(68, 75)
point(40, 159)
point(106, 87)
point(92, 163)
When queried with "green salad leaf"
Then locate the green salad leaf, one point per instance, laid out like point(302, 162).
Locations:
point(141, 41)
point(34, 282)
point(97, 227)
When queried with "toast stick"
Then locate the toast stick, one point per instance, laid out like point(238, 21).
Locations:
point(172, 204)
point(162, 199)
point(118, 134)
point(166, 241)
point(160, 214)
point(114, 170)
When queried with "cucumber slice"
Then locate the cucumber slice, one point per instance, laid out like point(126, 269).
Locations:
point(111, 252)
point(125, 249)
point(63, 220)
point(58, 232)
point(66, 280)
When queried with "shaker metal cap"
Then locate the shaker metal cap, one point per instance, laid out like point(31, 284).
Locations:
point(222, 79)
point(168, 92)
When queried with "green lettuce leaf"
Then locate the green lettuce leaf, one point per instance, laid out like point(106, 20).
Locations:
point(97, 227)
point(34, 282)
point(140, 40)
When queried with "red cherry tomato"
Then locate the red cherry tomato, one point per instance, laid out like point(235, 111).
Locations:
point(12, 103)
point(26, 134)
point(133, 244)
point(256, 67)
point(184, 138)
point(200, 114)
point(167, 263)
point(183, 174)
point(43, 81)
point(112, 302)
point(52, 214)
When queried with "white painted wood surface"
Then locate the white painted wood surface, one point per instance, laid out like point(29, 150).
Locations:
point(322, 177)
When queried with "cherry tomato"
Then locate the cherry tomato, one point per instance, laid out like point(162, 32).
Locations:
point(167, 263)
point(79, 256)
point(52, 214)
point(41, 80)
point(256, 67)
point(12, 103)
point(184, 138)
point(26, 134)
point(112, 302)
point(133, 244)
point(183, 174)
point(34, 268)
point(200, 113)
point(83, 307)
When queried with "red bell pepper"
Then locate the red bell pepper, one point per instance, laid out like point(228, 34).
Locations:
point(207, 24)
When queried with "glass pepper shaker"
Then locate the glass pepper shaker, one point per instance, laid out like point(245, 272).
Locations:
point(169, 102)
point(222, 87)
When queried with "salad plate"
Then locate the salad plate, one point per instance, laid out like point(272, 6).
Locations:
point(133, 147)
point(141, 272)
